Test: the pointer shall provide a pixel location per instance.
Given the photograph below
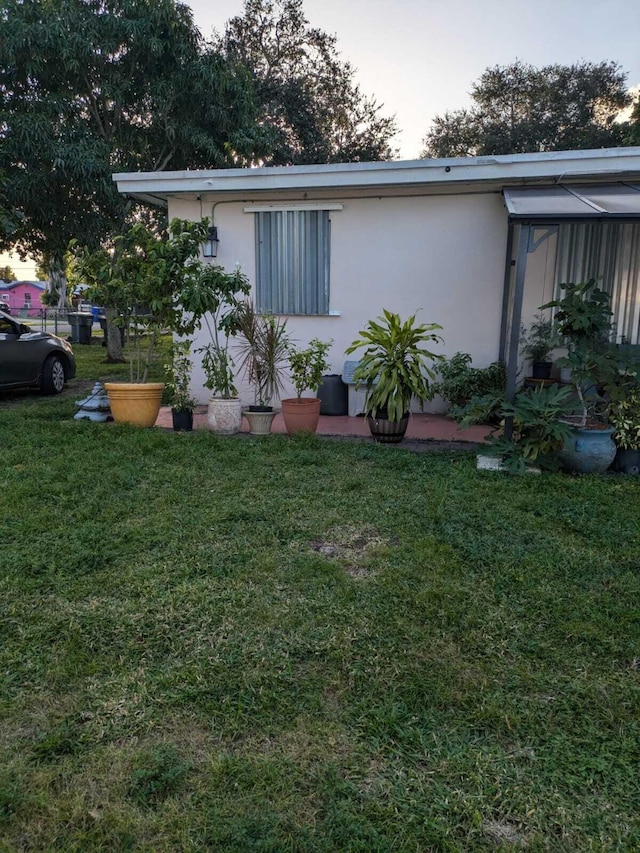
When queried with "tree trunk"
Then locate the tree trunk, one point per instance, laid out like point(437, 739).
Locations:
point(114, 341)
point(58, 281)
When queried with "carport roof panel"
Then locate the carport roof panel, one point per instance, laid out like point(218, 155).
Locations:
point(594, 201)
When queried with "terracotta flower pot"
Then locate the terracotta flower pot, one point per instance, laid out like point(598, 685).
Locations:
point(135, 403)
point(301, 413)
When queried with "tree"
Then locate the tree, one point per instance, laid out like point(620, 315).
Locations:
point(306, 94)
point(632, 127)
point(519, 108)
point(7, 274)
point(92, 87)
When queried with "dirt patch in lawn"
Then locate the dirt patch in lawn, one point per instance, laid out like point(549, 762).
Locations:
point(355, 547)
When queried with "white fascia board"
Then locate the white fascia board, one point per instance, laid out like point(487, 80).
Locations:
point(268, 207)
point(507, 169)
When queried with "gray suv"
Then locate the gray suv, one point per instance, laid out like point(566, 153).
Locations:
point(31, 359)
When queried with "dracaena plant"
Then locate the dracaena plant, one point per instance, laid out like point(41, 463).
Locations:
point(264, 350)
point(396, 364)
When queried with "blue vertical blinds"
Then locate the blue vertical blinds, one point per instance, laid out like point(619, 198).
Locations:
point(292, 261)
point(610, 253)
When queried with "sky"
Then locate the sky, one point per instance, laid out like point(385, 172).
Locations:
point(419, 58)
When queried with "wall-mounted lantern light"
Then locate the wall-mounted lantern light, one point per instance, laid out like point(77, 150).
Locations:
point(210, 249)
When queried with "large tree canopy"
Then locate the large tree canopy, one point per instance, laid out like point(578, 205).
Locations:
point(92, 87)
point(519, 108)
point(306, 93)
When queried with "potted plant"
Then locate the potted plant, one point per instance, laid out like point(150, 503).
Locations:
point(177, 391)
point(625, 419)
point(539, 432)
point(536, 345)
point(264, 348)
point(583, 319)
point(395, 368)
point(146, 277)
point(214, 299)
point(306, 367)
point(458, 383)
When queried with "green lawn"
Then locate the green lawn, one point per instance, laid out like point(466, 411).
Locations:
point(307, 645)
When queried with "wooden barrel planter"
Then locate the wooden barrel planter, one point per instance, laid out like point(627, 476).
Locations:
point(385, 431)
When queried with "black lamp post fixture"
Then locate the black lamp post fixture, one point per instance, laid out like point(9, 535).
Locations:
point(210, 249)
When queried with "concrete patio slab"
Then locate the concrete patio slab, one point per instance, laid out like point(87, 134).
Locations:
point(422, 427)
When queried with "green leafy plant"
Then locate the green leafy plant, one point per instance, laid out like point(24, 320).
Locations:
point(537, 342)
point(625, 418)
point(264, 348)
point(458, 382)
point(216, 300)
point(177, 389)
point(583, 319)
point(307, 365)
point(157, 281)
point(395, 366)
point(538, 428)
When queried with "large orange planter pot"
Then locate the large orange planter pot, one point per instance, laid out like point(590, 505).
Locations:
point(135, 403)
point(301, 413)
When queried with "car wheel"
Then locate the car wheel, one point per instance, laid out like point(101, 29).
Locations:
point(52, 376)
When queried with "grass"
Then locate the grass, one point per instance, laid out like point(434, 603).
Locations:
point(304, 645)
point(90, 362)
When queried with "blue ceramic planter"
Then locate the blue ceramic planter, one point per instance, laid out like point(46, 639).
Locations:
point(588, 451)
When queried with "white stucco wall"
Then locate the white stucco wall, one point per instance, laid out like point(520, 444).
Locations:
point(441, 254)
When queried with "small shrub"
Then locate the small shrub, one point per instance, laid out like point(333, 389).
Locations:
point(459, 383)
point(538, 429)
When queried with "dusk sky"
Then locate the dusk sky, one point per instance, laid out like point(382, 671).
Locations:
point(420, 57)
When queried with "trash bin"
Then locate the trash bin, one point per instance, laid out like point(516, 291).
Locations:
point(97, 312)
point(333, 395)
point(103, 326)
point(80, 327)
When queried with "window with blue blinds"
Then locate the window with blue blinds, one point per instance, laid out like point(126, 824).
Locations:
point(292, 261)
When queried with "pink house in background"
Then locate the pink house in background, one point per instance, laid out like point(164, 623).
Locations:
point(22, 297)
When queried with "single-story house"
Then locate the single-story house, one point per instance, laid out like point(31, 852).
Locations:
point(475, 244)
point(22, 297)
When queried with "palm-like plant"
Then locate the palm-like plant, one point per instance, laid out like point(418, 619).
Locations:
point(395, 366)
point(264, 348)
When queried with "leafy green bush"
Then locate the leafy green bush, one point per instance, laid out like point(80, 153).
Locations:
point(459, 383)
point(538, 431)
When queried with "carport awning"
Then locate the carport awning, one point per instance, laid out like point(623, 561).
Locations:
point(561, 203)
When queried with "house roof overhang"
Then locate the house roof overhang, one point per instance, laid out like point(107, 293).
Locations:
point(411, 177)
point(561, 203)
